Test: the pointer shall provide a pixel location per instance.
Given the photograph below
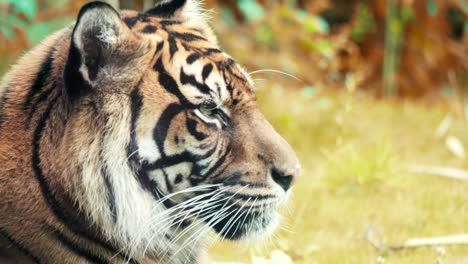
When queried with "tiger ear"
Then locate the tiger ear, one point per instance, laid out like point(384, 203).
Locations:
point(178, 9)
point(98, 32)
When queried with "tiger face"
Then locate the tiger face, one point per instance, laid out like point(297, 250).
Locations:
point(163, 139)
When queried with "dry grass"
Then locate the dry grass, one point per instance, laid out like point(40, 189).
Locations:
point(355, 152)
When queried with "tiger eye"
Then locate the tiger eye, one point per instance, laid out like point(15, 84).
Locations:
point(208, 108)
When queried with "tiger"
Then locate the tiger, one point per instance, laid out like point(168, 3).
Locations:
point(130, 137)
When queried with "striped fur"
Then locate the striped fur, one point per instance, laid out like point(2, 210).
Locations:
point(127, 137)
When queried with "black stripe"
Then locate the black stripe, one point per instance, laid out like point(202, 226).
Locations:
point(192, 128)
point(190, 79)
point(162, 126)
point(210, 51)
point(136, 103)
point(206, 71)
point(168, 183)
point(167, 9)
point(3, 102)
point(20, 247)
point(168, 83)
point(179, 178)
point(189, 37)
point(38, 84)
point(198, 52)
point(107, 179)
point(43, 97)
point(110, 194)
point(166, 23)
point(130, 21)
point(172, 46)
point(76, 248)
point(159, 47)
point(193, 57)
point(149, 29)
point(168, 161)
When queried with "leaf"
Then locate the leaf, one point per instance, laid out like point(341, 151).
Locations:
point(251, 9)
point(8, 32)
point(7, 24)
point(323, 25)
point(301, 13)
point(431, 8)
point(407, 14)
point(325, 47)
point(12, 20)
point(27, 7)
point(444, 126)
point(455, 146)
point(38, 31)
point(310, 25)
point(364, 24)
point(264, 34)
point(308, 91)
point(227, 16)
point(316, 24)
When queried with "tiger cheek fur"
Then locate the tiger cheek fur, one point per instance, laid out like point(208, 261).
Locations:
point(128, 137)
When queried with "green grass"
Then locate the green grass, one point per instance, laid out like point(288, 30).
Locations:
point(355, 151)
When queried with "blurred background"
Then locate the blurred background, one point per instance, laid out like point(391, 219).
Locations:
point(372, 94)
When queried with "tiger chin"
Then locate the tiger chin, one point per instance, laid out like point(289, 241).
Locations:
point(129, 138)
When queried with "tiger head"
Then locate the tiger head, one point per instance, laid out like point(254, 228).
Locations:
point(174, 123)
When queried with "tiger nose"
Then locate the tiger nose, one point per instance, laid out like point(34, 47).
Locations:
point(285, 178)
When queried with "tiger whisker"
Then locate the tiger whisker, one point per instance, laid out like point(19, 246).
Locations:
point(188, 190)
point(282, 227)
point(276, 71)
point(131, 154)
